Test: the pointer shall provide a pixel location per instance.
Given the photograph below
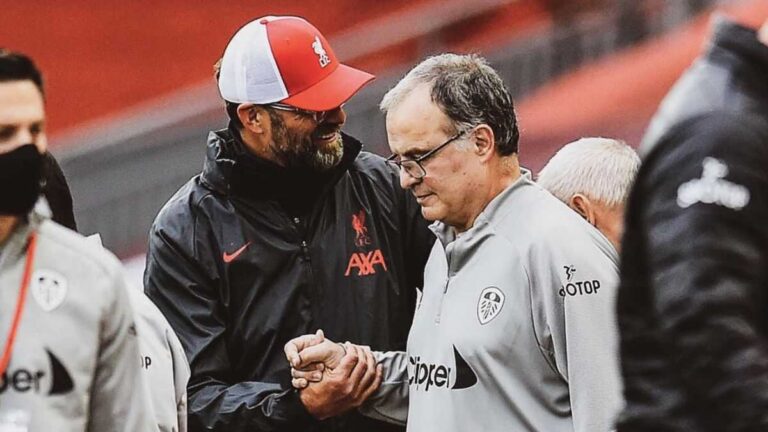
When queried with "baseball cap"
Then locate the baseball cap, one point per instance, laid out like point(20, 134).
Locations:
point(286, 59)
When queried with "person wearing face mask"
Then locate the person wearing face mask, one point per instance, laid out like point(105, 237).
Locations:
point(69, 348)
point(289, 228)
point(161, 357)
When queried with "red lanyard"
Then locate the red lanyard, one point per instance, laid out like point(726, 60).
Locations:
point(6, 358)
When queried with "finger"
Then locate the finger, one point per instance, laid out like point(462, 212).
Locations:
point(373, 387)
point(360, 368)
point(294, 347)
point(322, 353)
point(291, 352)
point(347, 364)
point(368, 353)
point(311, 367)
point(370, 373)
point(299, 383)
point(310, 376)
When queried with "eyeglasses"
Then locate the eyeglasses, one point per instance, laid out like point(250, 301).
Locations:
point(317, 116)
point(413, 166)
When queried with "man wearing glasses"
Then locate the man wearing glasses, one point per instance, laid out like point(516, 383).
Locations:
point(515, 329)
point(289, 228)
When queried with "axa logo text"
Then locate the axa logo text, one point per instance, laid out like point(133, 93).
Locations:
point(366, 262)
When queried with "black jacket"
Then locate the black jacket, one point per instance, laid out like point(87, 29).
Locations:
point(693, 301)
point(248, 255)
point(56, 192)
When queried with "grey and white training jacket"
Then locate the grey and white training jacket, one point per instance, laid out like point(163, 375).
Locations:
point(163, 363)
point(516, 328)
point(162, 360)
point(74, 362)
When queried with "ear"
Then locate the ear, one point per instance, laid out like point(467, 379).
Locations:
point(583, 206)
point(252, 117)
point(485, 142)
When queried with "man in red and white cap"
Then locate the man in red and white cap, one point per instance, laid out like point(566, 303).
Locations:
point(289, 228)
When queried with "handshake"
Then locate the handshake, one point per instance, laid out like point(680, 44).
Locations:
point(332, 378)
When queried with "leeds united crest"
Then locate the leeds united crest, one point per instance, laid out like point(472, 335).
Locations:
point(489, 305)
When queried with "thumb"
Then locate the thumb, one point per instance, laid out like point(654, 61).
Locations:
point(327, 352)
point(293, 349)
point(295, 346)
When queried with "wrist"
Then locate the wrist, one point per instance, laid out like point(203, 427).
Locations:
point(338, 353)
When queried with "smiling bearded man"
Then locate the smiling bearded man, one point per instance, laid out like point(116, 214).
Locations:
point(290, 227)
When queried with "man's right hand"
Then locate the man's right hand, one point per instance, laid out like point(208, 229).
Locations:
point(303, 351)
point(344, 387)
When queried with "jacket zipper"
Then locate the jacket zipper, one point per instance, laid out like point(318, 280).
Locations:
point(445, 287)
point(304, 252)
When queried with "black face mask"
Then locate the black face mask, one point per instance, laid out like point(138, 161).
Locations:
point(20, 175)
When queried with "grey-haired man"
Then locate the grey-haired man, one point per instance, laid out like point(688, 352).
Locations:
point(515, 329)
point(593, 177)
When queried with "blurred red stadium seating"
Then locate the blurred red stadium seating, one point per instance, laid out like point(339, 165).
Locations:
point(102, 56)
point(616, 96)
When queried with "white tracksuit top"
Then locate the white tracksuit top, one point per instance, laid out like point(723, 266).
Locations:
point(163, 362)
point(75, 362)
point(516, 329)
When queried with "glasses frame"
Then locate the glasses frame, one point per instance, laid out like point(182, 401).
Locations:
point(317, 116)
point(403, 164)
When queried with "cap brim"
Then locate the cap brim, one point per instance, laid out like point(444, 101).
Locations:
point(331, 92)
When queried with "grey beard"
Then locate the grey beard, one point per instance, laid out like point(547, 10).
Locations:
point(304, 155)
point(295, 153)
point(323, 160)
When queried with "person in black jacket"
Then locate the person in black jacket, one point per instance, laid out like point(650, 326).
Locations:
point(693, 302)
point(56, 192)
point(289, 228)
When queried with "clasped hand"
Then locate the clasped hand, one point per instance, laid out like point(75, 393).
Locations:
point(332, 378)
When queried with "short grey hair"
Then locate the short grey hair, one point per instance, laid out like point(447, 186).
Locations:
point(602, 169)
point(468, 91)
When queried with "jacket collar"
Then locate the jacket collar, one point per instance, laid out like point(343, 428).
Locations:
point(490, 213)
point(233, 171)
point(471, 240)
point(228, 166)
point(16, 245)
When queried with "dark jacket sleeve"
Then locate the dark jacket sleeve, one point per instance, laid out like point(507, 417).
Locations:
point(707, 239)
point(181, 277)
